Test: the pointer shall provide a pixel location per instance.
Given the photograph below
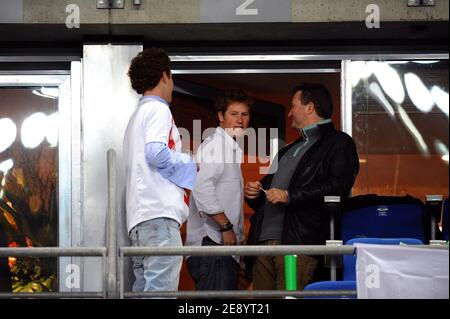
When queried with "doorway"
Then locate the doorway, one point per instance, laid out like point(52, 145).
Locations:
point(272, 91)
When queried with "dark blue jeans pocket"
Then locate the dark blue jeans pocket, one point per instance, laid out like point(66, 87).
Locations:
point(213, 272)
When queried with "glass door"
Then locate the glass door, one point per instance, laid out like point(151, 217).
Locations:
point(398, 114)
point(33, 178)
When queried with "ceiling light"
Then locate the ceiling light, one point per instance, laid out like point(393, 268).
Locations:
point(8, 133)
point(33, 130)
point(51, 93)
point(5, 166)
point(389, 80)
point(440, 97)
point(418, 93)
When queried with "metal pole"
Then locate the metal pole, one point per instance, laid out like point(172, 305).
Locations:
point(111, 244)
point(332, 203)
point(434, 203)
point(333, 268)
point(262, 250)
point(51, 295)
point(105, 277)
point(121, 275)
point(51, 252)
point(227, 294)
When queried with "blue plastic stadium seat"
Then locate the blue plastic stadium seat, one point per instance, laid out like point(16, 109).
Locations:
point(383, 217)
point(332, 285)
point(445, 221)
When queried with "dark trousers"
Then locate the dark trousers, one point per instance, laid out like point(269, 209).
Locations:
point(5, 276)
point(269, 271)
point(213, 272)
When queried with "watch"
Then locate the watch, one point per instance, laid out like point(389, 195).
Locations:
point(226, 227)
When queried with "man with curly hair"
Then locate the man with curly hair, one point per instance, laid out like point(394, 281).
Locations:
point(157, 173)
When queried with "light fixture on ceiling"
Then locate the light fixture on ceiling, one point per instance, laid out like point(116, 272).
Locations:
point(51, 93)
point(8, 135)
point(33, 130)
point(5, 166)
point(426, 61)
point(359, 70)
point(440, 98)
point(397, 62)
point(418, 92)
point(52, 129)
point(389, 79)
point(442, 149)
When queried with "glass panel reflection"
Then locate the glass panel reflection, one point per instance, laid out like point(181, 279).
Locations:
point(28, 182)
point(400, 124)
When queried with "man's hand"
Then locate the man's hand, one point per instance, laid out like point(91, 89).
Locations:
point(277, 196)
point(252, 190)
point(229, 238)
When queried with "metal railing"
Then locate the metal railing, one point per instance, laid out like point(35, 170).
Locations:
point(181, 251)
point(111, 226)
point(227, 251)
point(54, 252)
point(111, 255)
point(237, 250)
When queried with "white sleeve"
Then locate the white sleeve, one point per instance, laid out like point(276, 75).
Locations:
point(205, 194)
point(157, 123)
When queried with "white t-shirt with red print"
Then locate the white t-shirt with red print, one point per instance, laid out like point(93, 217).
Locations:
point(148, 194)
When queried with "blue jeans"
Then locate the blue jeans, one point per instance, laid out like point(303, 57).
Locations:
point(156, 273)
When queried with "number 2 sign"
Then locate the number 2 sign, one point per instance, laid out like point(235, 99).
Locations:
point(220, 11)
point(243, 9)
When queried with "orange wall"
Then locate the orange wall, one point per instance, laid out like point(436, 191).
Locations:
point(398, 175)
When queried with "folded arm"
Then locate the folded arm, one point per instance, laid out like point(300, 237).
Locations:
point(179, 168)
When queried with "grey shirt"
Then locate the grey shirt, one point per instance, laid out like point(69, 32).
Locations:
point(272, 224)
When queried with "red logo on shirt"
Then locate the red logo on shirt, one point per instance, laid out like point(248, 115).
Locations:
point(171, 145)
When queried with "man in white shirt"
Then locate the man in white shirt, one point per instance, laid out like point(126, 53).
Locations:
point(157, 173)
point(216, 216)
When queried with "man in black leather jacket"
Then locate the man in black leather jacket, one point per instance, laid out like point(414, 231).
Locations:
point(288, 204)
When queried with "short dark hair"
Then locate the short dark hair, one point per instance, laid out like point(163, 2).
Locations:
point(147, 68)
point(319, 95)
point(223, 101)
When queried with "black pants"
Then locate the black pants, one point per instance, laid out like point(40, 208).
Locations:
point(213, 272)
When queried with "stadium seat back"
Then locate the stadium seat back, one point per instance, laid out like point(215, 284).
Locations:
point(383, 217)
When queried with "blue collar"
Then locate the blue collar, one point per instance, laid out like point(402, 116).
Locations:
point(312, 129)
point(145, 98)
